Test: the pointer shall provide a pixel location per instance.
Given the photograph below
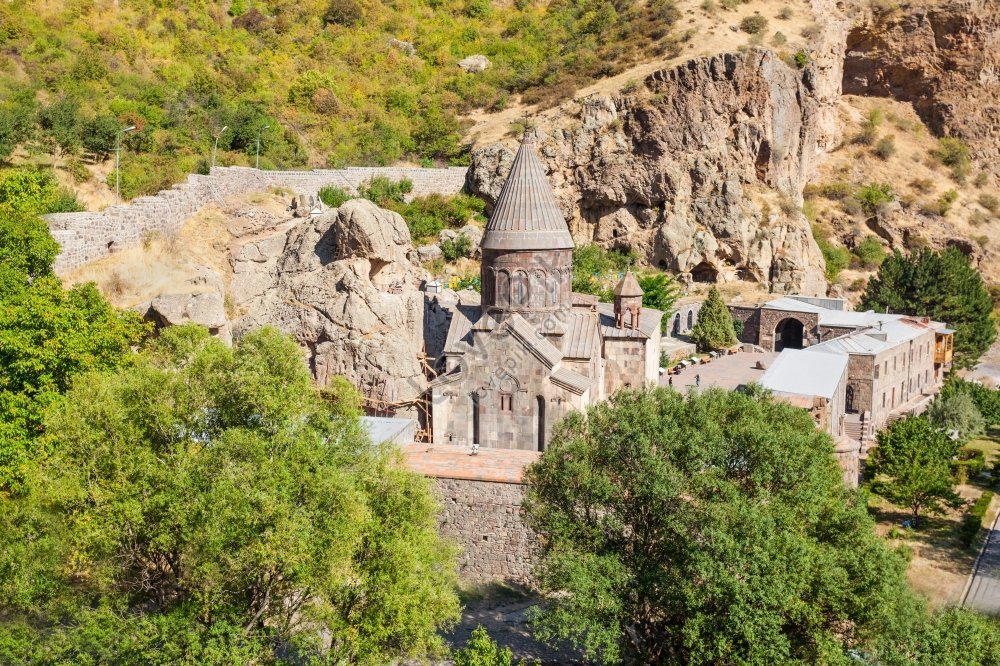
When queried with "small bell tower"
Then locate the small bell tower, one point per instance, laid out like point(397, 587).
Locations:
point(628, 302)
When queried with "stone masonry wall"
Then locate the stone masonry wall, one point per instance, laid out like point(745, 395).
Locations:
point(85, 237)
point(484, 518)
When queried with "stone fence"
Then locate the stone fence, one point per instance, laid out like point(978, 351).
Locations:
point(85, 237)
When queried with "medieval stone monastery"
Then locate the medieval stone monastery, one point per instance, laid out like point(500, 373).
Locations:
point(532, 350)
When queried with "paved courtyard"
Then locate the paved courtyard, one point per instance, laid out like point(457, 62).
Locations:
point(726, 372)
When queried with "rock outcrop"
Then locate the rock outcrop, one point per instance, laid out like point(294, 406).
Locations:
point(686, 177)
point(944, 58)
point(343, 284)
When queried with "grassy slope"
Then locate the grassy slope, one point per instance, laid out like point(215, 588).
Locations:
point(331, 93)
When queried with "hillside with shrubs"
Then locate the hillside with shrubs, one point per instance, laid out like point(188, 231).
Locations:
point(322, 83)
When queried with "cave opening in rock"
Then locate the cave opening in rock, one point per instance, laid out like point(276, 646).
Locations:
point(704, 272)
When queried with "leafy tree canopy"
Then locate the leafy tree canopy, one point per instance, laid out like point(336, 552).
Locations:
point(660, 292)
point(956, 413)
point(47, 336)
point(714, 328)
point(712, 528)
point(596, 270)
point(940, 285)
point(205, 506)
point(987, 400)
point(912, 465)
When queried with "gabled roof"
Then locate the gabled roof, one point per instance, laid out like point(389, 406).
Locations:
point(570, 380)
point(527, 215)
point(532, 338)
point(628, 286)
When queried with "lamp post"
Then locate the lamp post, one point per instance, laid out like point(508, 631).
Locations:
point(216, 148)
point(259, 132)
point(118, 158)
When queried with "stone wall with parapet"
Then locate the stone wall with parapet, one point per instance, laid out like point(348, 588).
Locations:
point(85, 237)
point(484, 519)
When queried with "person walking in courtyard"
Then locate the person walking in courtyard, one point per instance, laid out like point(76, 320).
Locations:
point(670, 382)
point(697, 380)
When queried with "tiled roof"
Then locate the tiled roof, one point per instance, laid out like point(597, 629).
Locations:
point(570, 380)
point(527, 215)
point(459, 338)
point(581, 340)
point(457, 462)
point(628, 286)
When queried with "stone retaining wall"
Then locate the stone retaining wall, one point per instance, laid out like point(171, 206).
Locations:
point(484, 518)
point(85, 237)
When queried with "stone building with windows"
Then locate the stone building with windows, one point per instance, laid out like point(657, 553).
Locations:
point(895, 364)
point(530, 350)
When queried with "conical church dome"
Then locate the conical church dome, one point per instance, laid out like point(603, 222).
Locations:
point(527, 215)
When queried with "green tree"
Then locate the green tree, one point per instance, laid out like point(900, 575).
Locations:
point(47, 336)
point(711, 528)
point(941, 285)
point(660, 292)
point(34, 191)
point(956, 412)
point(481, 650)
point(987, 400)
point(208, 494)
point(714, 328)
point(952, 636)
point(100, 134)
point(912, 465)
point(595, 269)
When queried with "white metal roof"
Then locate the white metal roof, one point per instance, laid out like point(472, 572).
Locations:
point(805, 372)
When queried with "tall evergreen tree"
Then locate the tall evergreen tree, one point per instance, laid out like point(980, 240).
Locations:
point(943, 286)
point(714, 328)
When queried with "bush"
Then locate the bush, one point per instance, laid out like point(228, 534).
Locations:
point(870, 252)
point(427, 216)
point(333, 196)
point(973, 521)
point(481, 650)
point(834, 191)
point(835, 257)
point(954, 153)
point(456, 248)
point(753, 24)
point(923, 185)
point(885, 147)
point(477, 8)
point(968, 464)
point(801, 59)
point(343, 12)
point(384, 191)
point(873, 195)
point(989, 202)
point(785, 13)
point(945, 202)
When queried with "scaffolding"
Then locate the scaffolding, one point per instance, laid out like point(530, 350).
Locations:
point(376, 401)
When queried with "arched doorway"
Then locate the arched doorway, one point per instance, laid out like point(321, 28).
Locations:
point(676, 330)
point(541, 422)
point(690, 319)
point(851, 407)
point(788, 334)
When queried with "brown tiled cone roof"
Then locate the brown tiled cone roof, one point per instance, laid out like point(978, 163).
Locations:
point(628, 286)
point(527, 215)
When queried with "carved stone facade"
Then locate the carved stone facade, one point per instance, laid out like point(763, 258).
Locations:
point(530, 351)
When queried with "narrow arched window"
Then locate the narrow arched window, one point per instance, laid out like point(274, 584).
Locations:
point(503, 289)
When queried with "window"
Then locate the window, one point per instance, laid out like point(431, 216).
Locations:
point(883, 398)
point(506, 402)
point(876, 372)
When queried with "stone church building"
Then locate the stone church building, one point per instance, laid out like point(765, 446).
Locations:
point(531, 350)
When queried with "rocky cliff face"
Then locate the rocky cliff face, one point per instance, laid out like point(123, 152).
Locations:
point(344, 286)
point(700, 175)
point(944, 58)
